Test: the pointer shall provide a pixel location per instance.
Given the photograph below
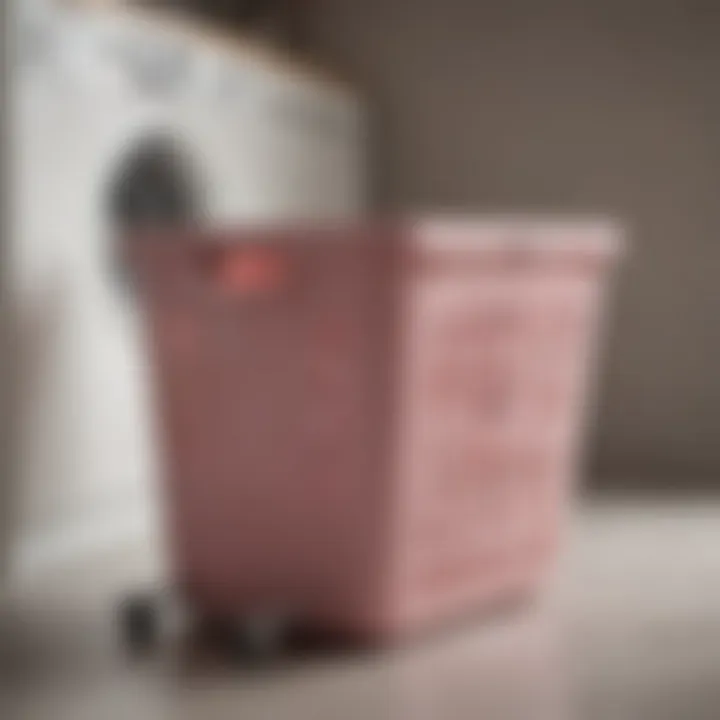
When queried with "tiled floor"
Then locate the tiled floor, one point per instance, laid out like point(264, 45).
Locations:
point(631, 631)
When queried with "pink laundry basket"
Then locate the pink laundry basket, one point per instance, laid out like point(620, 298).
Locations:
point(375, 427)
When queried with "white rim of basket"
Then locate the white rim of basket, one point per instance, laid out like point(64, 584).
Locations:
point(602, 236)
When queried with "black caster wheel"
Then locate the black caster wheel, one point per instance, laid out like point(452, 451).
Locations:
point(247, 641)
point(265, 636)
point(139, 622)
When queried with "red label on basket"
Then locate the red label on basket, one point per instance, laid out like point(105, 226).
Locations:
point(249, 272)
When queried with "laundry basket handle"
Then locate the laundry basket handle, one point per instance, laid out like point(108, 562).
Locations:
point(245, 271)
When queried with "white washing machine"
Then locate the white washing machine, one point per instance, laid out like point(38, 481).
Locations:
point(120, 116)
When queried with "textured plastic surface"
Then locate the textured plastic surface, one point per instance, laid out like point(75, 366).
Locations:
point(374, 428)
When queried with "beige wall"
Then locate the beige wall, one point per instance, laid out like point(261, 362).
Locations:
point(524, 104)
point(4, 322)
point(7, 359)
